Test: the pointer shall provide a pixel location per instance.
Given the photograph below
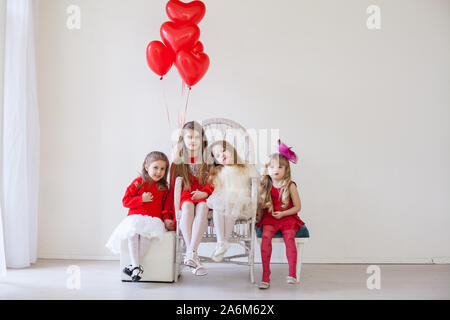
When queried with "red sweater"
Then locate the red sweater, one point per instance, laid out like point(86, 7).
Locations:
point(158, 208)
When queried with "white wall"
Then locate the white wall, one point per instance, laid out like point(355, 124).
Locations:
point(2, 65)
point(367, 112)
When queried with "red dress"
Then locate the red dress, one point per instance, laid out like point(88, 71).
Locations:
point(290, 222)
point(158, 208)
point(186, 194)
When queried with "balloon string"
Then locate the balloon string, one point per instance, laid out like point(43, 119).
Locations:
point(165, 102)
point(179, 108)
point(186, 107)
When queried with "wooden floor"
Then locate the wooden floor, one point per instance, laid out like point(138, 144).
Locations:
point(48, 279)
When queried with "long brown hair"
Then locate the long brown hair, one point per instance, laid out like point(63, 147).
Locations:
point(149, 159)
point(267, 183)
point(182, 158)
point(215, 167)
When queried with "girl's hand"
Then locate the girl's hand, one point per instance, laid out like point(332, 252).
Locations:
point(278, 215)
point(147, 197)
point(199, 195)
point(169, 225)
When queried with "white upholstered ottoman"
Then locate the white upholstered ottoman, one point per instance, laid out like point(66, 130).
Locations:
point(159, 262)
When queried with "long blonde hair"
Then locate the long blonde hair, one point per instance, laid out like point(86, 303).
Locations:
point(149, 159)
point(267, 183)
point(215, 167)
point(182, 158)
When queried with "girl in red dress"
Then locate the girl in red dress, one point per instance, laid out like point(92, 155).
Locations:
point(149, 213)
point(189, 164)
point(280, 206)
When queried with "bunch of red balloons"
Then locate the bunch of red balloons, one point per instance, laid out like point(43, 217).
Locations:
point(181, 45)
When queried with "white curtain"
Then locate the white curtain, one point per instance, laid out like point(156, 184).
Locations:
point(20, 163)
point(2, 61)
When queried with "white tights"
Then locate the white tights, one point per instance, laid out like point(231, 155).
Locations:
point(224, 225)
point(138, 247)
point(194, 220)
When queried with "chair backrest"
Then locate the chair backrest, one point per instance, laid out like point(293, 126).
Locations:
point(224, 129)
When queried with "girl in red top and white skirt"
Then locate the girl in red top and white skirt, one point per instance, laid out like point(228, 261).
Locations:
point(280, 207)
point(190, 165)
point(149, 213)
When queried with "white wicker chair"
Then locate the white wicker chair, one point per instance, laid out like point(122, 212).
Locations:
point(244, 230)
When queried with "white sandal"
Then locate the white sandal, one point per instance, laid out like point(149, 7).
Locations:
point(199, 269)
point(189, 260)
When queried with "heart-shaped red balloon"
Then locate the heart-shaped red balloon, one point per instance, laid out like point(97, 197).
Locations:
point(198, 47)
point(159, 58)
point(186, 13)
point(192, 66)
point(179, 37)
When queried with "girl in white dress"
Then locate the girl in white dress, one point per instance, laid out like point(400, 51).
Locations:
point(231, 199)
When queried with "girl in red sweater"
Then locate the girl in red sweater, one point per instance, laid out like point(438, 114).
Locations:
point(280, 204)
point(149, 213)
point(189, 164)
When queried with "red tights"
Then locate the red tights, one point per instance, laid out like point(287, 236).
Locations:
point(266, 249)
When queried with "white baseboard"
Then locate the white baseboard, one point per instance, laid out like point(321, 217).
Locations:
point(310, 260)
point(441, 260)
point(77, 257)
point(366, 261)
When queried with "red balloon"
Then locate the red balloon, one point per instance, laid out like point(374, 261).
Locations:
point(159, 58)
point(186, 13)
point(179, 37)
point(198, 48)
point(192, 66)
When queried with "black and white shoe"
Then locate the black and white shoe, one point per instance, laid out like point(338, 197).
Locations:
point(128, 270)
point(136, 274)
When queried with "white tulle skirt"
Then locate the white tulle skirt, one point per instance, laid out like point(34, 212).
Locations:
point(137, 224)
point(232, 192)
point(236, 203)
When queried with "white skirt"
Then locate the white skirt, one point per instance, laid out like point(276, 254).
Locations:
point(149, 227)
point(236, 203)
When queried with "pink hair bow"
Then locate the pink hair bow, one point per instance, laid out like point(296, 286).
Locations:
point(287, 152)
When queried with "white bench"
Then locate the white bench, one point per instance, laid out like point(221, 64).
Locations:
point(158, 263)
